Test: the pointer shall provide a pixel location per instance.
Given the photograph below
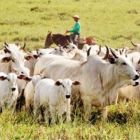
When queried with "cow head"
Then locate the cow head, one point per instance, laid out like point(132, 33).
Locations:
point(48, 40)
point(11, 78)
point(17, 56)
point(66, 86)
point(122, 65)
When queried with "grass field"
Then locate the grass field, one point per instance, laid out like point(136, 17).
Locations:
point(112, 22)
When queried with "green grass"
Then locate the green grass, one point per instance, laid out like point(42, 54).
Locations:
point(111, 22)
point(21, 126)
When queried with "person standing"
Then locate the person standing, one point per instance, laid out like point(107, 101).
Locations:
point(75, 31)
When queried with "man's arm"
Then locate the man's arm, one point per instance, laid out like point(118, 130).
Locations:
point(75, 29)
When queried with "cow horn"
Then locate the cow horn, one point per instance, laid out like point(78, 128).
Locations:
point(6, 44)
point(6, 50)
point(113, 53)
point(133, 44)
point(88, 51)
point(107, 53)
point(17, 43)
point(120, 52)
point(24, 45)
point(99, 50)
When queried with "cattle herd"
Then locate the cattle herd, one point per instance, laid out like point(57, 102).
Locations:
point(48, 83)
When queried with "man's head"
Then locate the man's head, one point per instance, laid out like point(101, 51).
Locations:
point(76, 18)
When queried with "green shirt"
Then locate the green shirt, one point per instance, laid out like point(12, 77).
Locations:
point(76, 28)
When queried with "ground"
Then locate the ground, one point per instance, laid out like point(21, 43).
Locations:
point(111, 22)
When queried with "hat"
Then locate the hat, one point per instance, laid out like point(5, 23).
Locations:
point(76, 16)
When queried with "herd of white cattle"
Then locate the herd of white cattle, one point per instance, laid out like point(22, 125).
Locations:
point(47, 81)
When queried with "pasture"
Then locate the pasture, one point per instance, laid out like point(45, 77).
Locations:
point(111, 22)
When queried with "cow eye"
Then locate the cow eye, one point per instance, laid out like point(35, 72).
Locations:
point(13, 60)
point(123, 63)
point(63, 86)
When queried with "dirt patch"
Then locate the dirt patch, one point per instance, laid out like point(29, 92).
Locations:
point(116, 37)
point(132, 11)
point(17, 39)
point(22, 23)
point(38, 9)
point(137, 22)
point(63, 16)
point(46, 18)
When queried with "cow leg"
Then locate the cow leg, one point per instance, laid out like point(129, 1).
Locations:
point(14, 107)
point(36, 110)
point(42, 111)
point(104, 112)
point(68, 111)
point(116, 100)
point(87, 109)
point(31, 109)
point(1, 108)
point(53, 114)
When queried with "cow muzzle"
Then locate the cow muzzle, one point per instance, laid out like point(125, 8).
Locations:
point(67, 96)
point(13, 89)
point(136, 84)
point(136, 77)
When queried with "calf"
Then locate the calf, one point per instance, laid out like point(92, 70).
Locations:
point(56, 95)
point(8, 89)
point(29, 93)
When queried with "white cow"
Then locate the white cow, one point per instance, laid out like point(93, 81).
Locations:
point(56, 95)
point(99, 78)
point(31, 59)
point(17, 57)
point(131, 93)
point(42, 61)
point(95, 49)
point(29, 92)
point(67, 51)
point(8, 89)
point(134, 57)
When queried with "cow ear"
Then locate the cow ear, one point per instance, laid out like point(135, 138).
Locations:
point(58, 83)
point(139, 61)
point(6, 59)
point(28, 57)
point(88, 51)
point(28, 79)
point(6, 50)
point(23, 47)
point(23, 77)
point(2, 78)
point(76, 83)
